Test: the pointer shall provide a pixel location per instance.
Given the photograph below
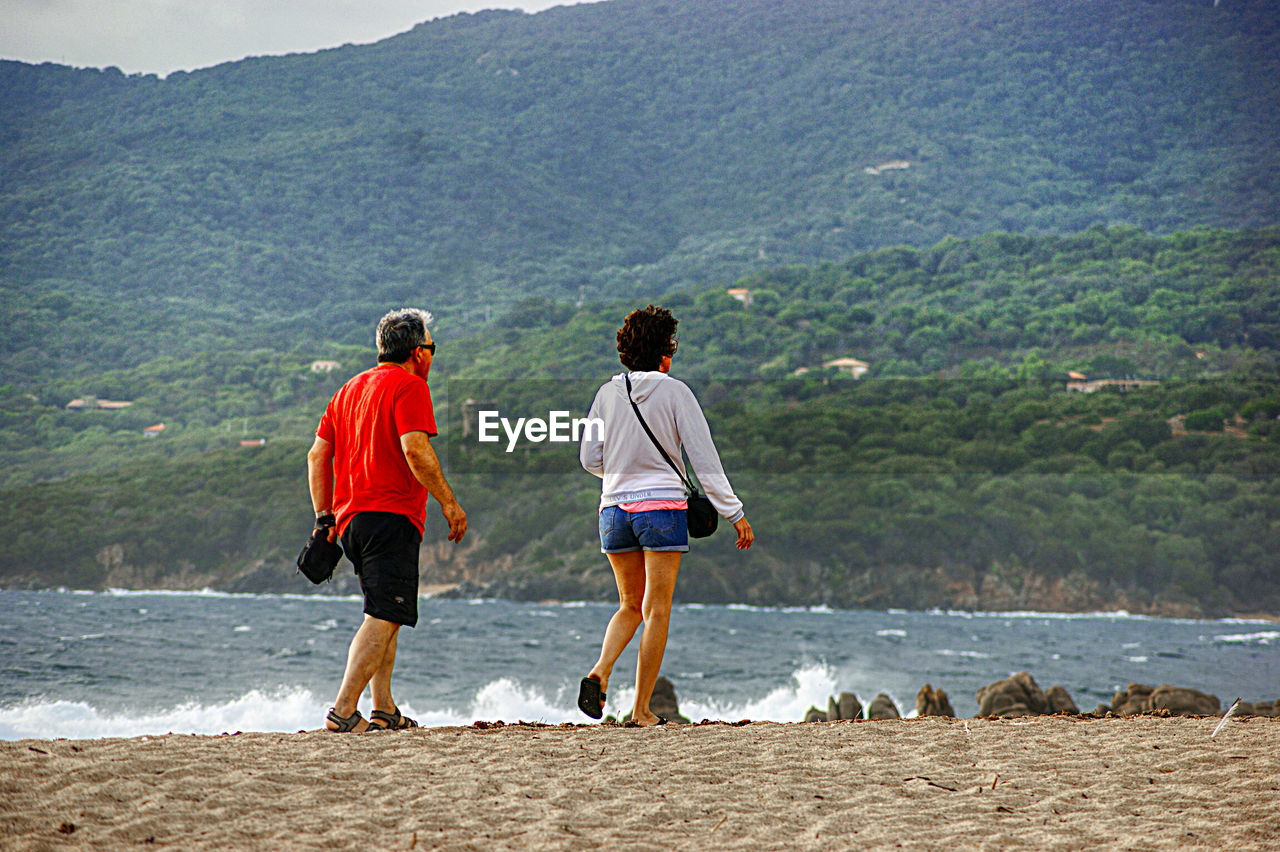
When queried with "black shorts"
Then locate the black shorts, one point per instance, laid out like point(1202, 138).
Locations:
point(384, 548)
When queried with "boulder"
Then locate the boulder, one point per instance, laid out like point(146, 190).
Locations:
point(1265, 708)
point(1135, 698)
point(1060, 701)
point(882, 707)
point(1246, 709)
point(1184, 701)
point(1102, 710)
point(849, 706)
point(663, 701)
point(833, 709)
point(1018, 695)
point(933, 702)
point(815, 715)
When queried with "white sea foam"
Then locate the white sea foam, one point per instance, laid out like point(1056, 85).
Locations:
point(1265, 637)
point(976, 655)
point(810, 687)
point(891, 632)
point(296, 709)
point(289, 710)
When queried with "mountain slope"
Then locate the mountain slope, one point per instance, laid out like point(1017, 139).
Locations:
point(608, 149)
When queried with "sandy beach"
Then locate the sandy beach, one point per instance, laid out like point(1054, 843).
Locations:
point(1043, 783)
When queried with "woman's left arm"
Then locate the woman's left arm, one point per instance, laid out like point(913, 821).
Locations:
point(695, 435)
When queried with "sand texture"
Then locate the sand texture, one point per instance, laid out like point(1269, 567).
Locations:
point(1033, 783)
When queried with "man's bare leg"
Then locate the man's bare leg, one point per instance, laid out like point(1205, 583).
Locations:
point(661, 568)
point(628, 574)
point(380, 684)
point(365, 656)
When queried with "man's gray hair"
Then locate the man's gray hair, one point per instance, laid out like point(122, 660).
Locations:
point(399, 331)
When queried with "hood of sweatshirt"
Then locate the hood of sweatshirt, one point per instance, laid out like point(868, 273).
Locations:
point(643, 383)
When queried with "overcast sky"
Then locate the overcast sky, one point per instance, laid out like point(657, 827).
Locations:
point(159, 36)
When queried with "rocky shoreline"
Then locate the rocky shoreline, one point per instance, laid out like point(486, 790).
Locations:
point(1019, 695)
point(1014, 697)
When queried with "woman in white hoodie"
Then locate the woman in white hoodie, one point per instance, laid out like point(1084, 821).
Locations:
point(643, 528)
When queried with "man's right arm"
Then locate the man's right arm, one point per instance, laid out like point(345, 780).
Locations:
point(320, 479)
point(426, 469)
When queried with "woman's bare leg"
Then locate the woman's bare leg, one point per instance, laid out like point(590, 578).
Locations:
point(661, 568)
point(628, 574)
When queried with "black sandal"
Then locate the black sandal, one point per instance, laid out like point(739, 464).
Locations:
point(346, 724)
point(394, 721)
point(591, 698)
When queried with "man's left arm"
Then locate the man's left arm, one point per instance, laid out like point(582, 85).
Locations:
point(426, 469)
point(320, 480)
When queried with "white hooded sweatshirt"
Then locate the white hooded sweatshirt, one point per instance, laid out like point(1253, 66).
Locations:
point(627, 461)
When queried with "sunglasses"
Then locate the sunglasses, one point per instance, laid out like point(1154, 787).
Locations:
point(430, 347)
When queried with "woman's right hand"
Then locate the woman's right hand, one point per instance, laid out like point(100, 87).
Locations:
point(745, 535)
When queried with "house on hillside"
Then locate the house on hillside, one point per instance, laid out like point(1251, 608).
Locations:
point(852, 366)
point(888, 166)
point(324, 366)
point(742, 294)
point(1080, 383)
point(153, 431)
point(86, 403)
point(848, 366)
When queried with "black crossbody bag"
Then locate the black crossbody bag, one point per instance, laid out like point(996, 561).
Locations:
point(702, 516)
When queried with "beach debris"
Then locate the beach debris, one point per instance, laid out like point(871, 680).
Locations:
point(1235, 705)
point(720, 823)
point(67, 828)
point(882, 707)
point(933, 702)
point(928, 782)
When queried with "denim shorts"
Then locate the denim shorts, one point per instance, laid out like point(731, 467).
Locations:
point(660, 529)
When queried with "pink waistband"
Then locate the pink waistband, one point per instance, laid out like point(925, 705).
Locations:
point(653, 505)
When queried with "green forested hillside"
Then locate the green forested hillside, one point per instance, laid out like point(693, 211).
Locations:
point(959, 471)
point(605, 150)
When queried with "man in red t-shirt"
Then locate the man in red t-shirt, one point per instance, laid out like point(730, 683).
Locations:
point(370, 472)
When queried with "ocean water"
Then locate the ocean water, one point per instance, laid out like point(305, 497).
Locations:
point(85, 665)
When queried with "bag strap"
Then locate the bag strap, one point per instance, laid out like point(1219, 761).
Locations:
point(683, 479)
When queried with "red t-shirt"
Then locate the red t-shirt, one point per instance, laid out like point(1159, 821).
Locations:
point(364, 422)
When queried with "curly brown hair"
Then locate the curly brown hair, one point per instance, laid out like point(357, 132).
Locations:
point(646, 336)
